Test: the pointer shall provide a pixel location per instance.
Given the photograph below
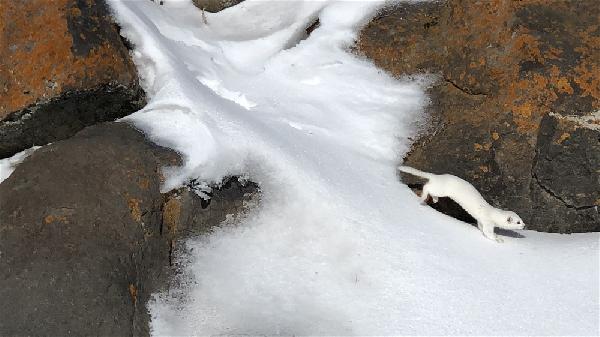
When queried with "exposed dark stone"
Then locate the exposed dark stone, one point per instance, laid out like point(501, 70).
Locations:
point(86, 236)
point(83, 21)
point(312, 27)
point(565, 188)
point(59, 59)
point(503, 66)
point(61, 117)
point(80, 236)
point(214, 6)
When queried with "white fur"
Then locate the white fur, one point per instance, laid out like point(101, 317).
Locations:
point(461, 191)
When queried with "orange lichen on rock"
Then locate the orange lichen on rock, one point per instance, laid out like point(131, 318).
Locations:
point(529, 46)
point(563, 137)
point(588, 78)
point(172, 214)
point(58, 215)
point(523, 117)
point(38, 59)
point(484, 147)
point(133, 292)
point(144, 183)
point(587, 71)
point(134, 208)
point(55, 218)
point(563, 86)
point(35, 49)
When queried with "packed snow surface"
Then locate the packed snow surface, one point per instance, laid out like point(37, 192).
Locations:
point(338, 246)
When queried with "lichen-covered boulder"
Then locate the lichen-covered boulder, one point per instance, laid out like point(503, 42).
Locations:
point(512, 73)
point(63, 66)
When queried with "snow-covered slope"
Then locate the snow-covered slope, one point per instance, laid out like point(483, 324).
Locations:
point(338, 246)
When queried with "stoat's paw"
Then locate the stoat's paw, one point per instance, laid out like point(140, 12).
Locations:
point(499, 239)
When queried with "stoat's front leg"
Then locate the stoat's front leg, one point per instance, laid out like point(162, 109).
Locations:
point(487, 228)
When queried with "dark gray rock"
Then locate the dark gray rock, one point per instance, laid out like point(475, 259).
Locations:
point(81, 236)
point(214, 6)
point(61, 117)
point(86, 236)
point(186, 214)
point(566, 176)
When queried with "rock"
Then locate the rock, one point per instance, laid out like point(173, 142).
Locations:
point(504, 67)
point(80, 235)
point(214, 6)
point(63, 66)
point(186, 213)
point(86, 236)
point(564, 190)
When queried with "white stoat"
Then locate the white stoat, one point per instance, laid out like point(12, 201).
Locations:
point(461, 191)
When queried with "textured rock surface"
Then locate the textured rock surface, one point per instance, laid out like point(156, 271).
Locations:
point(504, 67)
point(566, 174)
point(63, 66)
point(86, 236)
point(185, 212)
point(214, 6)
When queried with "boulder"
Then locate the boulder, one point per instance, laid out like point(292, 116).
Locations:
point(86, 236)
point(514, 77)
point(63, 66)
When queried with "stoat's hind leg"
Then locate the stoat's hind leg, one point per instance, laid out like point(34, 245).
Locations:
point(425, 193)
point(487, 229)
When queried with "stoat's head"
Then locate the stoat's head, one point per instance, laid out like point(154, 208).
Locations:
point(510, 220)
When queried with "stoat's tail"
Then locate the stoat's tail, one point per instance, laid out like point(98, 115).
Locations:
point(415, 172)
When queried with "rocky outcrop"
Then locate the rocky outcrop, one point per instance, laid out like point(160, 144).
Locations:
point(515, 109)
point(214, 6)
point(63, 66)
point(86, 236)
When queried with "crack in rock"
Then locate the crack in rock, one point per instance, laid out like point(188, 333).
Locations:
point(557, 197)
point(465, 90)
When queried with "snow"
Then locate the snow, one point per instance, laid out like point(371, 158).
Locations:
point(338, 246)
point(8, 165)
